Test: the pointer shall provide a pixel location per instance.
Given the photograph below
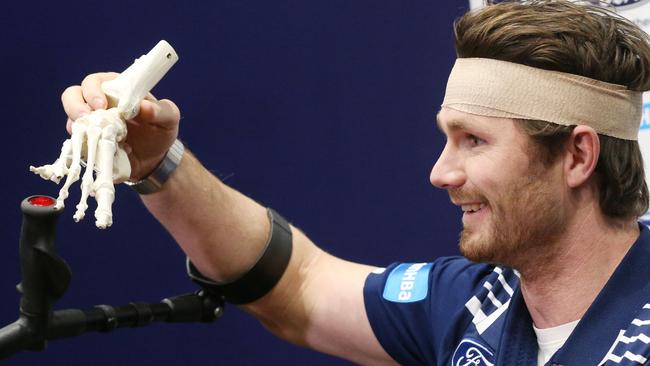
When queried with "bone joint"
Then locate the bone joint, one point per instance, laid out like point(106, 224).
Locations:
point(96, 137)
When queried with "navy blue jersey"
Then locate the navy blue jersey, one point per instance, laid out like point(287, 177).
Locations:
point(455, 312)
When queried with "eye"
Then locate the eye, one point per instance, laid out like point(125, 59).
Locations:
point(473, 140)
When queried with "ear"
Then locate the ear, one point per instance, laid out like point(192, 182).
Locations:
point(582, 152)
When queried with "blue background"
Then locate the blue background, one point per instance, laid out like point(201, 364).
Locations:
point(324, 110)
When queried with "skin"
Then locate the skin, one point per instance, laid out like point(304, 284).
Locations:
point(484, 159)
point(500, 232)
point(573, 248)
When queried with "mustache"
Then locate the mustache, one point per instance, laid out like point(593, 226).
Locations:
point(465, 195)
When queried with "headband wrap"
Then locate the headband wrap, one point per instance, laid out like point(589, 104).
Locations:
point(494, 88)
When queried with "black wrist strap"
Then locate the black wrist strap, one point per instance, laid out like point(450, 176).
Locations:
point(263, 276)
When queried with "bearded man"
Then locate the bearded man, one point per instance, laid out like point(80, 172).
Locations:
point(541, 116)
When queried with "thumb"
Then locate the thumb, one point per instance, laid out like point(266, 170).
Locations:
point(162, 113)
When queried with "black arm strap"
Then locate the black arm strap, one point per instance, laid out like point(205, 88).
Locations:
point(263, 276)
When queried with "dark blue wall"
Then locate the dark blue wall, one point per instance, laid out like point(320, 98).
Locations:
point(323, 110)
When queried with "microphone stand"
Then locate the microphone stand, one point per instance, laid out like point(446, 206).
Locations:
point(46, 277)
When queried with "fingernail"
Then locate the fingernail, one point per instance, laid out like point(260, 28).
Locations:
point(97, 102)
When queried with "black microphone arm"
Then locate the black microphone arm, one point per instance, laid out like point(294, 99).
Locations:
point(46, 277)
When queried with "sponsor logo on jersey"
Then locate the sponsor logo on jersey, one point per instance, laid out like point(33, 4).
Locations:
point(471, 352)
point(408, 282)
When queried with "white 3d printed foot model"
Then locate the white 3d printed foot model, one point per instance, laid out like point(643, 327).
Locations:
point(96, 137)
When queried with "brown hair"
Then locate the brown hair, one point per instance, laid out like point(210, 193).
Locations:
point(580, 39)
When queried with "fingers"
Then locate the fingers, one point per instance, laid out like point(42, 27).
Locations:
point(79, 100)
point(163, 113)
point(73, 102)
point(91, 88)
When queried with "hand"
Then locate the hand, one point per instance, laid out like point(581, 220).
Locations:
point(150, 134)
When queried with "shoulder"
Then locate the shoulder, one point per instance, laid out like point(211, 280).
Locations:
point(414, 308)
point(427, 278)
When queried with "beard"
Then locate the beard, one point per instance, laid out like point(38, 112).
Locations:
point(521, 228)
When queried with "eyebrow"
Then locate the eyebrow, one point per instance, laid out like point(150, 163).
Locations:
point(453, 125)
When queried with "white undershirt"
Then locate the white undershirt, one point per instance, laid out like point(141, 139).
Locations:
point(552, 339)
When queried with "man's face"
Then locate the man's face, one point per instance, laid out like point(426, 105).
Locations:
point(512, 205)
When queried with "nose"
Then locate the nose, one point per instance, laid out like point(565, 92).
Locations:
point(447, 173)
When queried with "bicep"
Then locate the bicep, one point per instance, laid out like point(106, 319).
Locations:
point(319, 304)
point(339, 323)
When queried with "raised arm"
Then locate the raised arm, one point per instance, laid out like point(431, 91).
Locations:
point(317, 303)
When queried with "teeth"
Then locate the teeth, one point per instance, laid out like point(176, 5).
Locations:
point(473, 207)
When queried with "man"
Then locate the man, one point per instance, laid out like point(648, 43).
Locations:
point(541, 116)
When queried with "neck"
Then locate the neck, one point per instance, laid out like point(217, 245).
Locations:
point(561, 281)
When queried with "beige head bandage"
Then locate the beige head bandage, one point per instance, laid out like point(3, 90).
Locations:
point(495, 88)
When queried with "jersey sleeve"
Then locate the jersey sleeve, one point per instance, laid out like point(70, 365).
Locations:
point(412, 307)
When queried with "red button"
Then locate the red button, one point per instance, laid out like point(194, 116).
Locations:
point(41, 201)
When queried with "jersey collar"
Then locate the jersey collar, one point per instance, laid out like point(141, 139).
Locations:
point(611, 315)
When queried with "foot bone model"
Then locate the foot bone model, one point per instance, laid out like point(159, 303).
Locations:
point(95, 137)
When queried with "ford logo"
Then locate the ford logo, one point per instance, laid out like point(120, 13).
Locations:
point(470, 352)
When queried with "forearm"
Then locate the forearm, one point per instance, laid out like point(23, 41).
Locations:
point(318, 301)
point(222, 231)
